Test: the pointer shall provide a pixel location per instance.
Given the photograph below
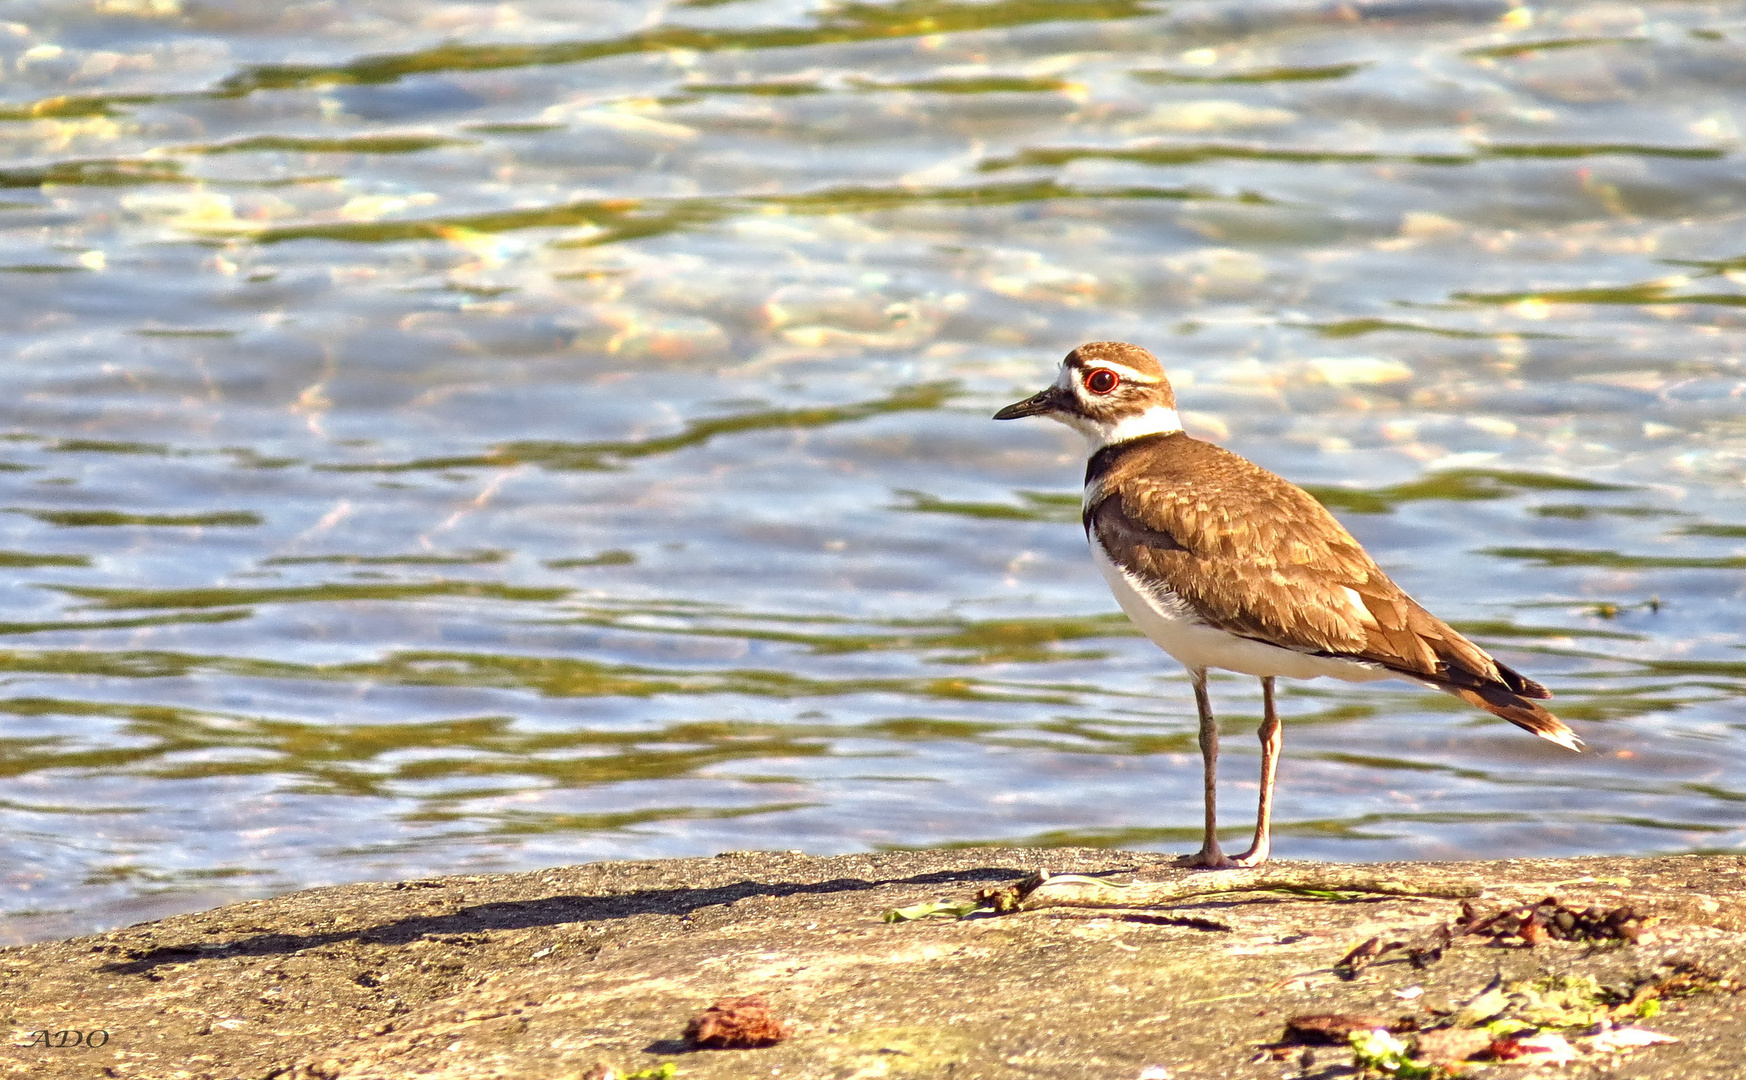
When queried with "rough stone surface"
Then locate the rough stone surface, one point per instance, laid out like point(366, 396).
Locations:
point(544, 975)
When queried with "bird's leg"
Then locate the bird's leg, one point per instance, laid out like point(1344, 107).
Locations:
point(1209, 855)
point(1272, 739)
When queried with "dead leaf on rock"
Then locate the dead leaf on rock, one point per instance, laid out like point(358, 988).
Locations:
point(1546, 1048)
point(1427, 949)
point(1330, 1029)
point(1000, 899)
point(1362, 957)
point(1486, 1004)
point(736, 1024)
point(1691, 977)
point(1446, 1046)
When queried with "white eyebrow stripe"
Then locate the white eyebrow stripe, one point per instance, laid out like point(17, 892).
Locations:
point(1127, 373)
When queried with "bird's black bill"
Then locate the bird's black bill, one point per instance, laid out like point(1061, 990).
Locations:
point(1038, 404)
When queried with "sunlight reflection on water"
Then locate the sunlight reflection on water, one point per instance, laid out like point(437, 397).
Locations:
point(450, 438)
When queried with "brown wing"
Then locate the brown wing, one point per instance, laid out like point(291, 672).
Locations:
point(1180, 512)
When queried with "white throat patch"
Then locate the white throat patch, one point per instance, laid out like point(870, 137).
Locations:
point(1158, 420)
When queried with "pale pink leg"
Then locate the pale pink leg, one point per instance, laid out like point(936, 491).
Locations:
point(1272, 739)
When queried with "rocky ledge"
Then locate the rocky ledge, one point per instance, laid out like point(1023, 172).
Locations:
point(1431, 969)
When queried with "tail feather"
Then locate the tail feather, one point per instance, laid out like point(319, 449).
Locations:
point(1520, 684)
point(1408, 640)
point(1475, 676)
point(1518, 710)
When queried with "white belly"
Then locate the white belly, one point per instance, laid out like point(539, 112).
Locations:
point(1173, 627)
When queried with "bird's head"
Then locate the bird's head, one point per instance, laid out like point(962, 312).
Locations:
point(1108, 391)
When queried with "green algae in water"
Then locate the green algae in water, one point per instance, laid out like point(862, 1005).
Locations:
point(65, 108)
point(616, 221)
point(1585, 150)
point(106, 446)
point(605, 558)
point(985, 84)
point(1582, 512)
point(1037, 506)
point(112, 598)
point(1528, 48)
point(957, 642)
point(484, 557)
point(1202, 153)
point(105, 172)
point(758, 89)
point(357, 144)
point(185, 332)
point(1324, 73)
point(844, 23)
point(79, 519)
point(20, 559)
point(181, 618)
point(1352, 328)
point(1614, 560)
point(1463, 485)
point(609, 455)
point(1653, 292)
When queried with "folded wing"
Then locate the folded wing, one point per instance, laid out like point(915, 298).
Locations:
point(1291, 577)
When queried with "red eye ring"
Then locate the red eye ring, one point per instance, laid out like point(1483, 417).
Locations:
point(1102, 381)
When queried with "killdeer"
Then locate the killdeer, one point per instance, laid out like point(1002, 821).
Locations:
point(1225, 565)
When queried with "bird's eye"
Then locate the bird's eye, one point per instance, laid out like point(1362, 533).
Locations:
point(1102, 380)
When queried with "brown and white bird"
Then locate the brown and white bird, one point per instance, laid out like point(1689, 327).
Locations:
point(1225, 565)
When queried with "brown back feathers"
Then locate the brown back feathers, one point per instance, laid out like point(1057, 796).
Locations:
point(1256, 556)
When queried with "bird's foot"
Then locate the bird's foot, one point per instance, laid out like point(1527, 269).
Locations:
point(1211, 858)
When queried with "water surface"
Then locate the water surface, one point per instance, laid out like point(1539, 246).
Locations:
point(449, 437)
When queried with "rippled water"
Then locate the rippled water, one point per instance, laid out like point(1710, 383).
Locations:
point(451, 437)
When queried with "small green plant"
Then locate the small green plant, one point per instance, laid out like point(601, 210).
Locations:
point(1561, 1001)
point(929, 909)
point(1381, 1052)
